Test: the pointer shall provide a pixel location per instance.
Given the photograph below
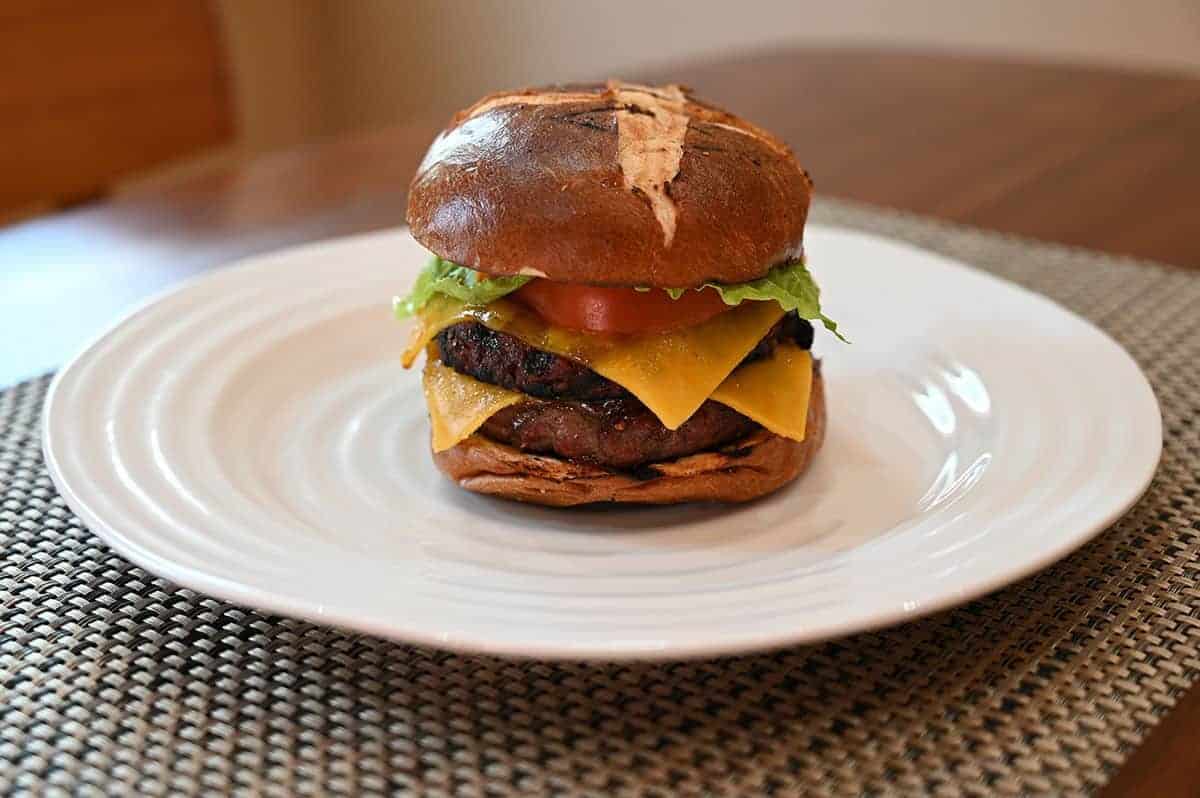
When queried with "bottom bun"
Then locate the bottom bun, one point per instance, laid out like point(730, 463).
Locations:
point(743, 470)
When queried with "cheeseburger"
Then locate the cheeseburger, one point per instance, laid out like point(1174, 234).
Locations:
point(617, 308)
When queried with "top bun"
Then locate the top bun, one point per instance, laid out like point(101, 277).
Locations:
point(615, 184)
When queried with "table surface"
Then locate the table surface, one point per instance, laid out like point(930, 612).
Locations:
point(1096, 158)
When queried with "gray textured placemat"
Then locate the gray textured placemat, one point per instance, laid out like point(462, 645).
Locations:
point(112, 680)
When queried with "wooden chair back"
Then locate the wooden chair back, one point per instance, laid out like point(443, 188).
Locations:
point(91, 92)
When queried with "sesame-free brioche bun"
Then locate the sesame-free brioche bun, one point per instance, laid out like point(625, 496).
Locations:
point(615, 184)
point(743, 470)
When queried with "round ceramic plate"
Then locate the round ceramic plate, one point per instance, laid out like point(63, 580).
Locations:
point(251, 435)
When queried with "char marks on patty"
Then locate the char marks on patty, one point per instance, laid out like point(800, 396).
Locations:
point(614, 433)
point(500, 359)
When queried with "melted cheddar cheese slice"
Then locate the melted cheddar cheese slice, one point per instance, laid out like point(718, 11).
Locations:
point(459, 404)
point(672, 373)
point(773, 392)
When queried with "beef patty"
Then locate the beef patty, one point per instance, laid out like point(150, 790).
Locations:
point(588, 417)
point(500, 359)
point(617, 433)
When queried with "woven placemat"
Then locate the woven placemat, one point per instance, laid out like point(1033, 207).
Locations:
point(112, 680)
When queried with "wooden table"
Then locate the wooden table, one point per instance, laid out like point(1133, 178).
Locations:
point(1102, 159)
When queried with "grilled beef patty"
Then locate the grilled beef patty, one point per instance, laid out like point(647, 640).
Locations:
point(500, 359)
point(617, 433)
point(588, 417)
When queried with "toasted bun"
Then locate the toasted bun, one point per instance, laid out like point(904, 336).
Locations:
point(741, 471)
point(612, 185)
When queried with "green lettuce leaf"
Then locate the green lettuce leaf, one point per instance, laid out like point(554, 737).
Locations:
point(789, 284)
point(464, 284)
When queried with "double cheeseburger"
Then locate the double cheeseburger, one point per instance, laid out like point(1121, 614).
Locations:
point(617, 308)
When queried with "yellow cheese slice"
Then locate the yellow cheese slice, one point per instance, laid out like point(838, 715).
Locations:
point(459, 404)
point(671, 372)
point(773, 391)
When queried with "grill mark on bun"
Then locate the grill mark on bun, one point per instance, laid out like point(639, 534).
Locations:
point(645, 473)
point(746, 129)
point(526, 97)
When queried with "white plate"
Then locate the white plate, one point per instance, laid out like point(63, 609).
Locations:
point(252, 435)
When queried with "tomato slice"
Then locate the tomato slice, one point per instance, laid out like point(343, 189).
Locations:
point(617, 310)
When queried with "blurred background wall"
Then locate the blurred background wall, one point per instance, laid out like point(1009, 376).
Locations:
point(303, 68)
